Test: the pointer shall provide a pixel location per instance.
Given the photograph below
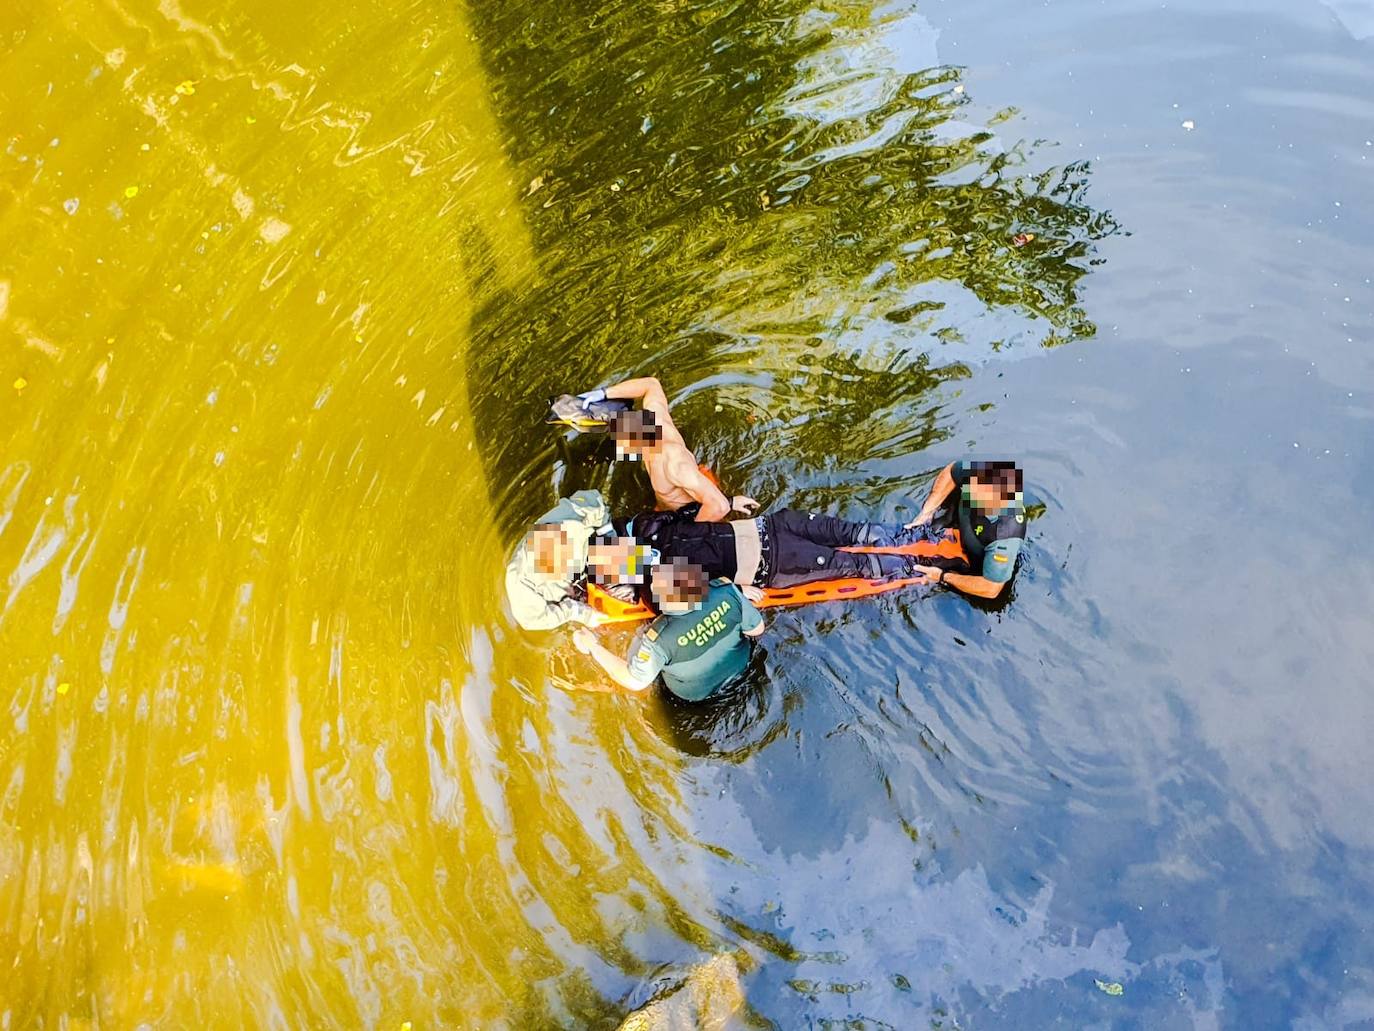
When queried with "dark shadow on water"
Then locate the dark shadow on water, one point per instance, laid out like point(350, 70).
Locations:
point(804, 224)
point(810, 253)
point(737, 721)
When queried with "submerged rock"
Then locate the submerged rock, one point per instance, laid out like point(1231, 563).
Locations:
point(705, 1001)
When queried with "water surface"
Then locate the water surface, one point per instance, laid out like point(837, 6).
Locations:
point(282, 296)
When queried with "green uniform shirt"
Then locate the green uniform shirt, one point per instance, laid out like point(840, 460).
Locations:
point(696, 652)
point(991, 540)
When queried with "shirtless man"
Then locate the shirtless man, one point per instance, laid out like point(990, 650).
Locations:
point(649, 433)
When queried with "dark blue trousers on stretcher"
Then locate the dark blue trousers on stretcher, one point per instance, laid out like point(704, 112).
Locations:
point(801, 548)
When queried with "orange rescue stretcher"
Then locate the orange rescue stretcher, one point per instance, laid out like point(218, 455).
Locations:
point(845, 589)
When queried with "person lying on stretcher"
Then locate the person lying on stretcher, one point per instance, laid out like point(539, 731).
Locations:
point(978, 527)
point(970, 531)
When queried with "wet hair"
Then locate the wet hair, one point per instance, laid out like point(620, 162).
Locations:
point(636, 428)
point(689, 582)
point(1005, 476)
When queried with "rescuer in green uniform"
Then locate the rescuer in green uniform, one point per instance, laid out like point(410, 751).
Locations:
point(982, 500)
point(701, 640)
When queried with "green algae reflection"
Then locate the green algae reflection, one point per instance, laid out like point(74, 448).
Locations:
point(780, 202)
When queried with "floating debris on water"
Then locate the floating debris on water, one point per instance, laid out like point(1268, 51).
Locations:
point(20, 383)
point(63, 687)
point(1110, 987)
point(1188, 124)
point(131, 192)
point(70, 205)
point(187, 88)
point(273, 230)
point(707, 1000)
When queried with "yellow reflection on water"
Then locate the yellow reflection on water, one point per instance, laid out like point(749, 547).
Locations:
point(242, 247)
point(270, 755)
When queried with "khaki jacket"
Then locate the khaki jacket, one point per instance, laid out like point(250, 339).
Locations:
point(540, 602)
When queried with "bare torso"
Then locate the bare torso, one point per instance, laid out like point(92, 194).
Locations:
point(672, 456)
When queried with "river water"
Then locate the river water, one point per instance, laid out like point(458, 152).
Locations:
point(283, 291)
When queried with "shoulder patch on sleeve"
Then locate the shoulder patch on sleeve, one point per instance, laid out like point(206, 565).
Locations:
point(1000, 558)
point(721, 581)
point(651, 634)
point(643, 655)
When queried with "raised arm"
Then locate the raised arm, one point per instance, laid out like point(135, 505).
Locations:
point(939, 491)
point(648, 391)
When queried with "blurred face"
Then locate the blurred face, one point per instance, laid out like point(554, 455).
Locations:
point(636, 436)
point(668, 588)
point(622, 561)
point(628, 451)
point(986, 497)
point(553, 553)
